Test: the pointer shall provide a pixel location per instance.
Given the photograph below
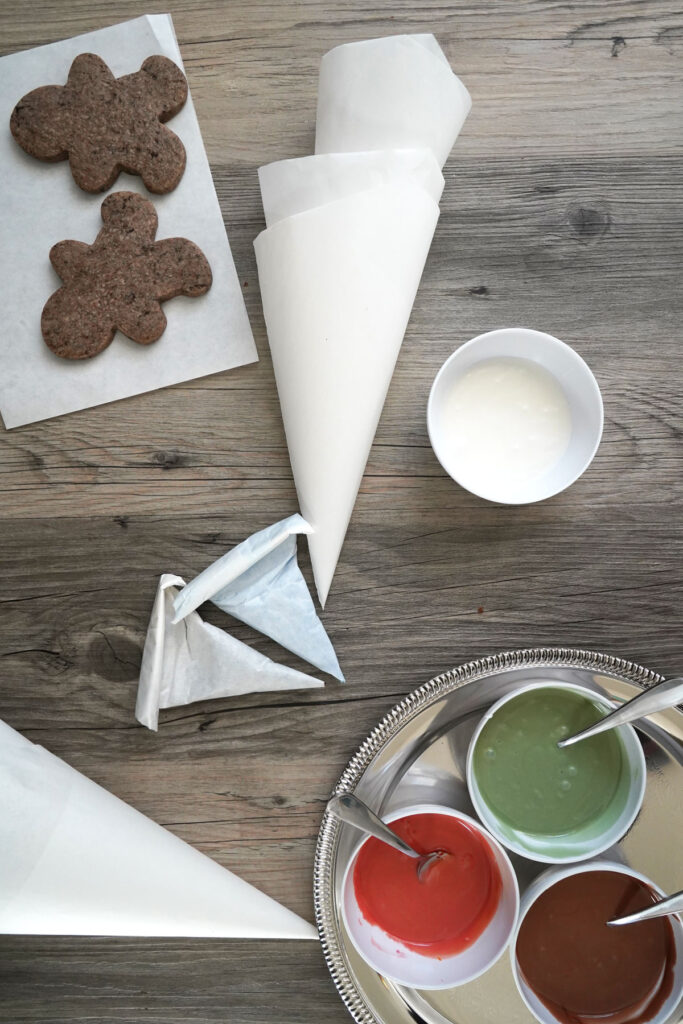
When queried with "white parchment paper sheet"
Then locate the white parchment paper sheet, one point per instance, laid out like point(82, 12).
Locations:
point(41, 205)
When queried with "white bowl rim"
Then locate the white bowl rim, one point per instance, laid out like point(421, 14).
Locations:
point(531, 332)
point(550, 877)
point(513, 888)
point(488, 819)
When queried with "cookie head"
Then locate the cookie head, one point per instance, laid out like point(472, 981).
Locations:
point(35, 124)
point(105, 125)
point(128, 213)
point(120, 281)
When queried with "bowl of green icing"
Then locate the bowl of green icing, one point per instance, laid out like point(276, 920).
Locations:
point(546, 803)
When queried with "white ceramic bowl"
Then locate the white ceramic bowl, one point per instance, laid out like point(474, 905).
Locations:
point(585, 842)
point(544, 882)
point(407, 967)
point(571, 373)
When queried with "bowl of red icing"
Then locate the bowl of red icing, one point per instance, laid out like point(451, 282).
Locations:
point(443, 928)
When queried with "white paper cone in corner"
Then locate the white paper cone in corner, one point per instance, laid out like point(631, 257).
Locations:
point(338, 283)
point(75, 860)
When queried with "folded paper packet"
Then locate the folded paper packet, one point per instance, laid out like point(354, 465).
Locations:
point(347, 235)
point(192, 660)
point(259, 582)
point(76, 860)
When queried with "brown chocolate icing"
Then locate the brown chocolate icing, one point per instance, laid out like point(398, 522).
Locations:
point(580, 968)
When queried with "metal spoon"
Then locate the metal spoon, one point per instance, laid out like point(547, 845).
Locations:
point(668, 905)
point(348, 808)
point(666, 694)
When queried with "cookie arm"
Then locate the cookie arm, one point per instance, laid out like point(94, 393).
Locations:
point(67, 258)
point(165, 84)
point(180, 268)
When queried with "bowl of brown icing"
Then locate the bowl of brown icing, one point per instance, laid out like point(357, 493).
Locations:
point(571, 967)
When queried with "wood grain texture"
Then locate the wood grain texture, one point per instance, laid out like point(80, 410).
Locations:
point(562, 211)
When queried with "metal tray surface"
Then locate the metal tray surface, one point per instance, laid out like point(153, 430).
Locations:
point(417, 754)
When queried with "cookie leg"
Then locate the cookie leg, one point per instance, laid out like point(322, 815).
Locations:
point(71, 328)
point(141, 318)
point(92, 170)
point(161, 163)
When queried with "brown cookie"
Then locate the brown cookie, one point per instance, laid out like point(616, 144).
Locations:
point(119, 281)
point(105, 125)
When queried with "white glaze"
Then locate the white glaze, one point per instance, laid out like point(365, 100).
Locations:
point(506, 419)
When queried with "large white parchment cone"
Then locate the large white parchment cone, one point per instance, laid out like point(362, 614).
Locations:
point(394, 92)
point(347, 235)
point(76, 860)
point(338, 282)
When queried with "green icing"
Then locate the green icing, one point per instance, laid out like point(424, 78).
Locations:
point(534, 787)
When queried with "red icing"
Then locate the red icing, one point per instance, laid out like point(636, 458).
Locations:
point(450, 907)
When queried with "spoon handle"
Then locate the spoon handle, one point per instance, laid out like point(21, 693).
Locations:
point(663, 695)
point(348, 808)
point(668, 905)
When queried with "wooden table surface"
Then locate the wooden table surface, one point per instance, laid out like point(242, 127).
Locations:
point(563, 210)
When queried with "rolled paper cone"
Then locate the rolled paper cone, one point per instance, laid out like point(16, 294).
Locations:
point(293, 186)
point(394, 92)
point(76, 860)
point(338, 283)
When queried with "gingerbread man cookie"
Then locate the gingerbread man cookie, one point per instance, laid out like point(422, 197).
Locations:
point(119, 281)
point(105, 125)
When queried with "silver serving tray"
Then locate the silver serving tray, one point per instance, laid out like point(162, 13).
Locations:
point(417, 754)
